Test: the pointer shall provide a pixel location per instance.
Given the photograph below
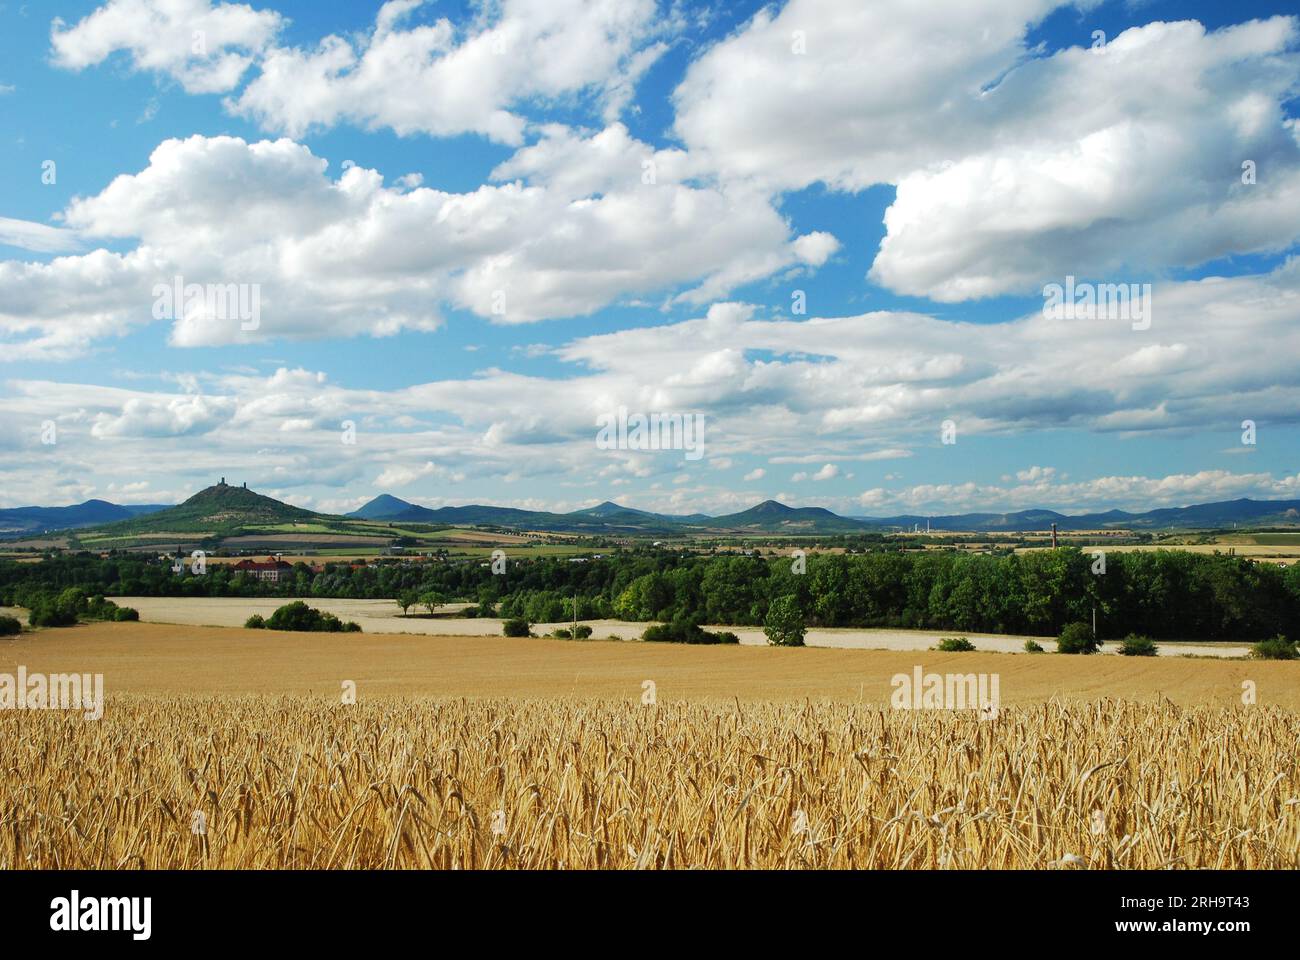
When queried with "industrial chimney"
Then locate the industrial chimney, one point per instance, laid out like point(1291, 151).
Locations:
point(1053, 536)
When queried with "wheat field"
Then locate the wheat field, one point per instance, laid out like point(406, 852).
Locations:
point(296, 782)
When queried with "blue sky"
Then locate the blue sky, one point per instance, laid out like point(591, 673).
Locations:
point(918, 175)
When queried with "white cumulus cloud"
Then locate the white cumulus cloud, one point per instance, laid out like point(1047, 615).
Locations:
point(207, 47)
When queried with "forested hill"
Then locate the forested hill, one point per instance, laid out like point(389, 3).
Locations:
point(218, 507)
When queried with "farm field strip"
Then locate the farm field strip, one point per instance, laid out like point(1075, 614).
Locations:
point(1274, 553)
point(384, 616)
point(162, 659)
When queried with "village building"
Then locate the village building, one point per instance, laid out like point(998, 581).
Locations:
point(270, 569)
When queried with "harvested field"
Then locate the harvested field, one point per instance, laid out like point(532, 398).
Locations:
point(1281, 554)
point(165, 660)
point(384, 616)
point(290, 540)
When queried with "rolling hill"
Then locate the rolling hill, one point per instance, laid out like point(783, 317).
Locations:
point(773, 517)
point(383, 507)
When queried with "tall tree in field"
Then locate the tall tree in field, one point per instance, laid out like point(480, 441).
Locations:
point(784, 625)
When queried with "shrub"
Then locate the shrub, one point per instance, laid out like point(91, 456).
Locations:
point(1278, 648)
point(9, 626)
point(97, 608)
point(685, 630)
point(1135, 645)
point(49, 609)
point(293, 616)
point(1077, 638)
point(955, 645)
point(52, 615)
point(1033, 646)
point(255, 622)
point(74, 599)
point(581, 632)
point(299, 616)
point(784, 625)
point(515, 627)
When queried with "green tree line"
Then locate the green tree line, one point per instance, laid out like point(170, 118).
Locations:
point(1163, 594)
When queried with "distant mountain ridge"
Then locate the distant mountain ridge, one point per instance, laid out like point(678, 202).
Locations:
point(222, 508)
point(608, 518)
point(771, 516)
point(26, 520)
point(1221, 514)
